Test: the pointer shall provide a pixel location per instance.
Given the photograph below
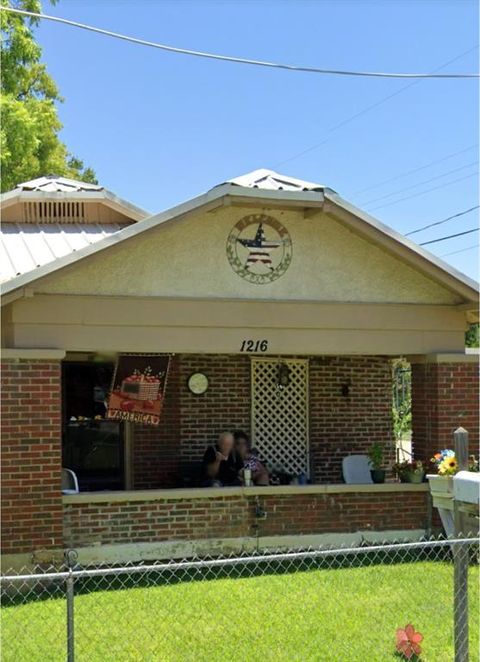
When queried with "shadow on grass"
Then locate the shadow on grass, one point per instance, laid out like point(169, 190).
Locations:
point(52, 588)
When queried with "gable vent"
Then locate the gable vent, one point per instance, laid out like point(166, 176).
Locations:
point(52, 212)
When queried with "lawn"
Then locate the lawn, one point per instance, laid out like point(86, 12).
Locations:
point(327, 614)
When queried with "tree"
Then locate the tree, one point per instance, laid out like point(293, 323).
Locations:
point(29, 141)
point(472, 336)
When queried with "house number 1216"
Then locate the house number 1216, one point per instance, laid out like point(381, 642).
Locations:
point(254, 346)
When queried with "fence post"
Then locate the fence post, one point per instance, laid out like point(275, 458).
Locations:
point(70, 559)
point(460, 560)
point(70, 619)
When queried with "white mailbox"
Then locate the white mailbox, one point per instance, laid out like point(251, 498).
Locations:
point(466, 487)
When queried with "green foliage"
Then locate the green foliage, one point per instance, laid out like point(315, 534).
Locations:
point(375, 455)
point(402, 422)
point(29, 142)
point(472, 336)
point(402, 398)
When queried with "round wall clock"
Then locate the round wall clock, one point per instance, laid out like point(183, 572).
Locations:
point(198, 383)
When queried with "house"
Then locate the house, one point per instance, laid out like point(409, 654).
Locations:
point(261, 276)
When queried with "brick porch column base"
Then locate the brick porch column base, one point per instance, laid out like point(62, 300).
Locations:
point(31, 451)
point(445, 391)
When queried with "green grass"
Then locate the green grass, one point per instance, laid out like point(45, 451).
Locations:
point(338, 614)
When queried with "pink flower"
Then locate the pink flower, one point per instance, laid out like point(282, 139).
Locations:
point(408, 641)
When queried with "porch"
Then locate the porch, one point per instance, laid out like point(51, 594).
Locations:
point(328, 408)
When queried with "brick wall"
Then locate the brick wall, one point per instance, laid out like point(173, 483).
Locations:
point(191, 422)
point(234, 516)
point(155, 453)
point(225, 405)
point(31, 456)
point(444, 396)
point(339, 425)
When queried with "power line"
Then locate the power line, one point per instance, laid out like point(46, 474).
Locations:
point(462, 250)
point(451, 236)
point(230, 58)
point(411, 172)
point(434, 188)
point(367, 109)
point(444, 220)
point(425, 181)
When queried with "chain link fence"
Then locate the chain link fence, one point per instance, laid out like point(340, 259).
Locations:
point(317, 604)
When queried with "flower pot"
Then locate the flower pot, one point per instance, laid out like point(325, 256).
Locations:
point(378, 475)
point(416, 478)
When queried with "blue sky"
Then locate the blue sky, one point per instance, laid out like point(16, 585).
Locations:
point(159, 128)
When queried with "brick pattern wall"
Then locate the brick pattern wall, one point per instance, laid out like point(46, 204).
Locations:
point(232, 517)
point(444, 396)
point(155, 453)
point(225, 405)
point(32, 514)
point(339, 425)
point(191, 422)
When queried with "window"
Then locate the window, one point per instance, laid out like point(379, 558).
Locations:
point(93, 447)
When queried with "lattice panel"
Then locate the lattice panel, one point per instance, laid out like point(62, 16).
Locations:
point(280, 415)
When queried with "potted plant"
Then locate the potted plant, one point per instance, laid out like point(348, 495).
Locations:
point(410, 472)
point(375, 455)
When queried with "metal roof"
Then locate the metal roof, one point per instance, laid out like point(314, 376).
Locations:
point(26, 246)
point(273, 181)
point(301, 194)
point(52, 184)
point(61, 189)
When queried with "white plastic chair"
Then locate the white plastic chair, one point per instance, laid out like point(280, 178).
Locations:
point(356, 470)
point(69, 482)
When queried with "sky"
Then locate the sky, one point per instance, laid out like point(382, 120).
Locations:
point(160, 128)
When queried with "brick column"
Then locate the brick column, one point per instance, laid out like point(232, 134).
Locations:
point(444, 396)
point(31, 452)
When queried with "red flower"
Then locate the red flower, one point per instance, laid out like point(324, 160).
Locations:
point(408, 641)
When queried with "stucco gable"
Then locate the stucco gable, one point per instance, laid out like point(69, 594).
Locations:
point(188, 258)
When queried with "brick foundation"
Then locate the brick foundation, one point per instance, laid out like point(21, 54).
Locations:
point(31, 456)
point(444, 397)
point(234, 516)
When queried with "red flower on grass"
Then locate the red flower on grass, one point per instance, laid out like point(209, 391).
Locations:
point(408, 641)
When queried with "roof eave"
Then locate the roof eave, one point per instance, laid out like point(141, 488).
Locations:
point(394, 241)
point(210, 199)
point(405, 248)
point(110, 199)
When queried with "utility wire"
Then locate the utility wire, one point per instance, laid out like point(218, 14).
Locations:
point(444, 220)
point(425, 181)
point(411, 172)
point(429, 190)
point(462, 250)
point(367, 109)
point(229, 58)
point(451, 236)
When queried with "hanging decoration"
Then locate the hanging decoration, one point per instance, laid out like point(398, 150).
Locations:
point(138, 388)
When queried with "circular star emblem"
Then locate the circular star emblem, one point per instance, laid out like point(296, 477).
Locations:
point(259, 248)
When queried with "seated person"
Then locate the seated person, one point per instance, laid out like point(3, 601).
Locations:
point(248, 458)
point(219, 466)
